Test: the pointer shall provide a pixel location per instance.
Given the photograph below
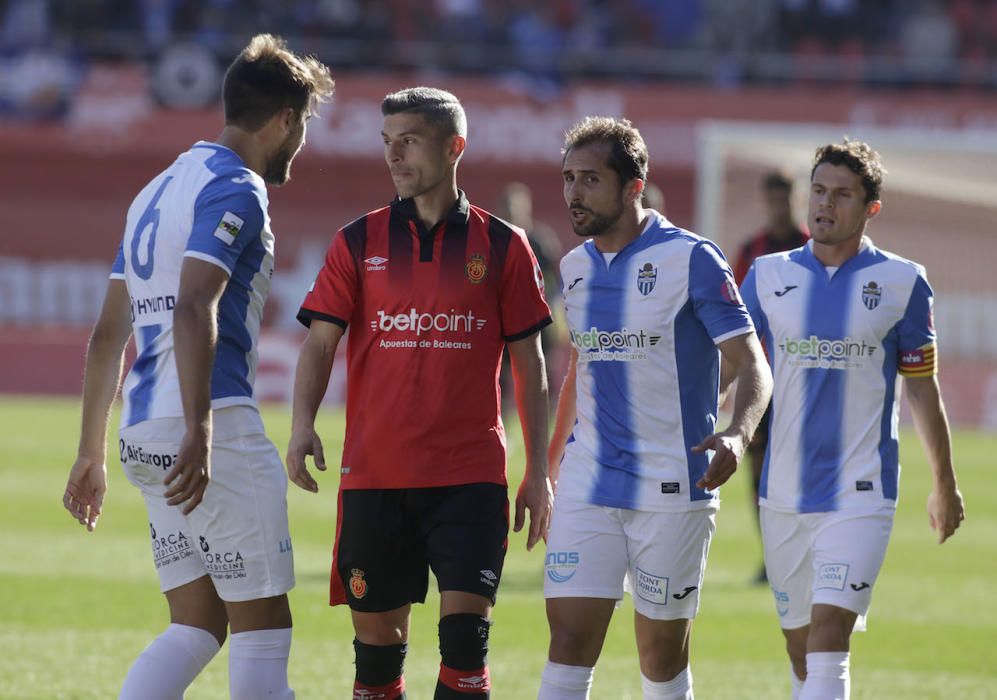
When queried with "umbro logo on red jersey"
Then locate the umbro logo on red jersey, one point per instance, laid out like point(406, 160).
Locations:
point(376, 263)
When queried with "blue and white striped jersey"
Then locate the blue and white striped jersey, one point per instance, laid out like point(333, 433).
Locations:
point(646, 325)
point(206, 205)
point(836, 344)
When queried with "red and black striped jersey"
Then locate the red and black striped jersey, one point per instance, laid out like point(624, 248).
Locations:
point(428, 313)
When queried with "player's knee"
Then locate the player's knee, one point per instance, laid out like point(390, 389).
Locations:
point(379, 665)
point(206, 616)
point(464, 641)
point(830, 628)
point(259, 614)
point(572, 645)
point(664, 662)
point(665, 654)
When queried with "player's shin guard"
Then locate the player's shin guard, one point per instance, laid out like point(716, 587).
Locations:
point(257, 665)
point(464, 648)
point(827, 676)
point(379, 671)
point(169, 664)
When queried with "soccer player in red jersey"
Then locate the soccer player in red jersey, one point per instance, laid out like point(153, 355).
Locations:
point(781, 232)
point(432, 290)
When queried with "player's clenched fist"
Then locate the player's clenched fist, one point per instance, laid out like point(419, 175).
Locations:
point(727, 454)
point(304, 443)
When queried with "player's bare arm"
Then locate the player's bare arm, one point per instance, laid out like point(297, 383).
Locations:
point(728, 373)
point(195, 335)
point(754, 389)
point(535, 493)
point(310, 382)
point(564, 420)
point(945, 507)
point(84, 495)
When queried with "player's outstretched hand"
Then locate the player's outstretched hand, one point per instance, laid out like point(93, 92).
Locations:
point(85, 489)
point(304, 443)
point(945, 511)
point(535, 495)
point(727, 449)
point(189, 477)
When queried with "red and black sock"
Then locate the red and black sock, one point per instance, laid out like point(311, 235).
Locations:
point(464, 648)
point(379, 671)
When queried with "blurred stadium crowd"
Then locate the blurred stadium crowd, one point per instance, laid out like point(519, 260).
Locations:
point(719, 42)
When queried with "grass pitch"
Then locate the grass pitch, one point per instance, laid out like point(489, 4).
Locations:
point(75, 609)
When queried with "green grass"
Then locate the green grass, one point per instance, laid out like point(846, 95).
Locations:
point(75, 609)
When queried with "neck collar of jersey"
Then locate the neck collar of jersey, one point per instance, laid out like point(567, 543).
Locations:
point(866, 250)
point(457, 214)
point(654, 220)
point(219, 147)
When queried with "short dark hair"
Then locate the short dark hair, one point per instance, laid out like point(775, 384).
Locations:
point(858, 157)
point(441, 109)
point(267, 77)
point(777, 180)
point(628, 155)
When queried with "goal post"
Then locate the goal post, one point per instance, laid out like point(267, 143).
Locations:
point(939, 209)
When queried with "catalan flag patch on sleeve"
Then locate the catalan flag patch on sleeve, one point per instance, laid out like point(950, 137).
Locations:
point(229, 227)
point(918, 363)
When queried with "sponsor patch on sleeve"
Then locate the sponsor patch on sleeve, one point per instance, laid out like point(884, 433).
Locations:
point(728, 290)
point(228, 228)
point(920, 362)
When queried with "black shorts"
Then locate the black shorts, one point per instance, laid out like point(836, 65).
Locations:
point(388, 539)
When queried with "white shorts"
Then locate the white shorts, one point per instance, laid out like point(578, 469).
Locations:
point(830, 558)
point(239, 533)
point(592, 550)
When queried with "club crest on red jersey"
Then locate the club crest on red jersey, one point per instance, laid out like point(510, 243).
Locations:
point(476, 269)
point(647, 277)
point(358, 587)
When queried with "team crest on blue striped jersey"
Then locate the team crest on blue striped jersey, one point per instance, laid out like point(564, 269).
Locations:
point(871, 295)
point(647, 277)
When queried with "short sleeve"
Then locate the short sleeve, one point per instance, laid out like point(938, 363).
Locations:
point(227, 219)
point(333, 295)
point(916, 346)
point(118, 266)
point(749, 294)
point(716, 301)
point(523, 307)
